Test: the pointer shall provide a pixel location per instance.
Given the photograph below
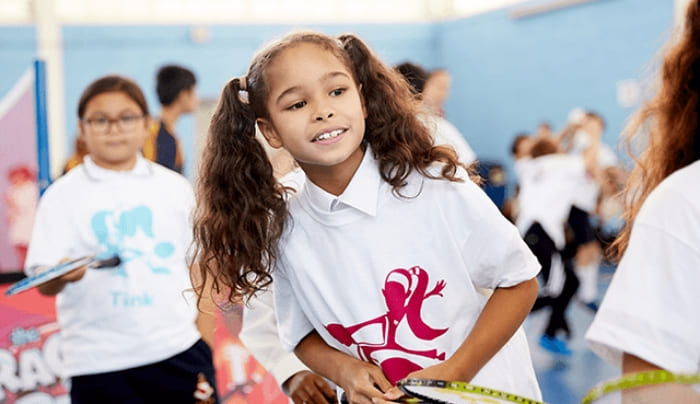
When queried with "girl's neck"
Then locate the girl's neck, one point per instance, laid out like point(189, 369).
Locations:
point(125, 165)
point(334, 179)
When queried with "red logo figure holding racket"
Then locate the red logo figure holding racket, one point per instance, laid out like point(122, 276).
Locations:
point(404, 291)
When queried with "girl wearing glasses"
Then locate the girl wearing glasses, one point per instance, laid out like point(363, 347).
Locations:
point(128, 333)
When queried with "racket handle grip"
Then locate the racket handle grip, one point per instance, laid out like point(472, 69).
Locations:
point(107, 263)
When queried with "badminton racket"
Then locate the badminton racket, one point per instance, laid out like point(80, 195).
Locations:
point(54, 272)
point(454, 392)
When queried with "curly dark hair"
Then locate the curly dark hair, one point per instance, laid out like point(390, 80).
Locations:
point(241, 209)
point(667, 125)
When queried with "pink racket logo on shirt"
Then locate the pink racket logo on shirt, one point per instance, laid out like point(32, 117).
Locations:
point(404, 292)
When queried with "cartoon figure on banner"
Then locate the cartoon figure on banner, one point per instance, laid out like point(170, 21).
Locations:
point(22, 196)
point(404, 293)
point(241, 379)
point(204, 391)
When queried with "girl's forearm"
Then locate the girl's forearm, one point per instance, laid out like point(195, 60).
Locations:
point(320, 357)
point(504, 312)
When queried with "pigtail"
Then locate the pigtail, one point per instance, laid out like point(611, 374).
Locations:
point(399, 141)
point(240, 205)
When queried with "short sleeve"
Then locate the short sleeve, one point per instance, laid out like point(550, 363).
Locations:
point(292, 323)
point(493, 251)
point(651, 307)
point(51, 234)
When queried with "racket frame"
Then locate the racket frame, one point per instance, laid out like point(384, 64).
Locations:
point(638, 379)
point(405, 384)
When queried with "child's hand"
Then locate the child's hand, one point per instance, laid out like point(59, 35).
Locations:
point(55, 286)
point(393, 394)
point(306, 387)
point(441, 371)
point(364, 383)
point(74, 275)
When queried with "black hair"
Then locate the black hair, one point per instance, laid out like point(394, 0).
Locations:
point(171, 80)
point(414, 74)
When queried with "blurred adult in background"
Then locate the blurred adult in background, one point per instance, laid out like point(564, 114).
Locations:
point(436, 90)
point(176, 88)
point(444, 133)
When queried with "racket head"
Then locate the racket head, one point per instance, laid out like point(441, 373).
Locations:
point(650, 387)
point(48, 275)
point(453, 392)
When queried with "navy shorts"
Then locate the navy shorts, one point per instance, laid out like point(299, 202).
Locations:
point(580, 226)
point(173, 380)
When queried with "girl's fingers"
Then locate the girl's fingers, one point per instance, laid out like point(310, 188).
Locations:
point(326, 389)
point(75, 275)
point(381, 381)
point(393, 394)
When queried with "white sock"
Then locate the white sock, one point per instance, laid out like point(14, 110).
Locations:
point(588, 278)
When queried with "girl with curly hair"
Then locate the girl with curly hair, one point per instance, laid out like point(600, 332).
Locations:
point(389, 262)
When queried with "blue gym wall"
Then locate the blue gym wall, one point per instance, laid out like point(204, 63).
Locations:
point(138, 51)
point(17, 54)
point(508, 74)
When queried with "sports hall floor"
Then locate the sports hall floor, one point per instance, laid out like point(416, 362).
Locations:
point(565, 380)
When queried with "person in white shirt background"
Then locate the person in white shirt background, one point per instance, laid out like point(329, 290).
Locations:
point(549, 183)
point(590, 125)
point(130, 333)
point(648, 318)
point(387, 229)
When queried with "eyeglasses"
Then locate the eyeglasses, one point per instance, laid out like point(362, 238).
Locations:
point(124, 123)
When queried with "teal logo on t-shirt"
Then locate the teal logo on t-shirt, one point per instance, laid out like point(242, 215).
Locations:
point(113, 228)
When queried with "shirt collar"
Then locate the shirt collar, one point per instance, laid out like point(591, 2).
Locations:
point(142, 168)
point(361, 193)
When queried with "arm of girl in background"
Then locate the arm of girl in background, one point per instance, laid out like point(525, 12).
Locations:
point(259, 331)
point(259, 334)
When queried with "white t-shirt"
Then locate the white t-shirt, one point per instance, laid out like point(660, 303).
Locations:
point(401, 281)
point(651, 307)
point(137, 313)
point(445, 133)
point(588, 191)
point(548, 188)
